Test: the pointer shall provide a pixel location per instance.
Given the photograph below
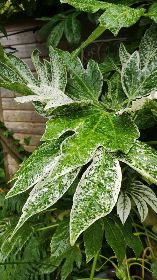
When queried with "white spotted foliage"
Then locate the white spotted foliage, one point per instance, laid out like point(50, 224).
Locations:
point(115, 16)
point(85, 141)
point(141, 195)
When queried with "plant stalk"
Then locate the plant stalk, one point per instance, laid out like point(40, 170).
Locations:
point(94, 266)
point(94, 35)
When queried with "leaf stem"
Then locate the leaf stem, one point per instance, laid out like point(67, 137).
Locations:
point(94, 266)
point(93, 36)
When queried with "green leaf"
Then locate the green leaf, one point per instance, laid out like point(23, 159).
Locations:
point(93, 237)
point(98, 190)
point(152, 12)
point(143, 159)
point(114, 98)
point(96, 127)
point(73, 256)
point(72, 29)
point(47, 28)
point(148, 49)
point(131, 76)
point(154, 270)
point(131, 240)
point(115, 239)
point(91, 6)
point(123, 54)
point(35, 168)
point(8, 74)
point(84, 83)
point(22, 69)
point(56, 34)
point(120, 236)
point(118, 16)
point(61, 249)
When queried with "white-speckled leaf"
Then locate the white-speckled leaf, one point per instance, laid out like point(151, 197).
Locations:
point(98, 190)
point(152, 12)
point(40, 68)
point(148, 49)
point(91, 6)
point(141, 206)
point(36, 167)
point(118, 16)
point(46, 193)
point(131, 75)
point(58, 70)
point(143, 159)
point(123, 54)
point(22, 68)
point(84, 84)
point(47, 94)
point(8, 74)
point(93, 127)
point(123, 206)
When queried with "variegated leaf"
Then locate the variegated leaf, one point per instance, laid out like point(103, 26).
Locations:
point(98, 189)
point(45, 194)
point(130, 76)
point(62, 250)
point(143, 159)
point(123, 206)
point(22, 69)
point(123, 54)
point(146, 193)
point(148, 49)
point(141, 206)
point(84, 84)
point(91, 6)
point(118, 16)
point(36, 167)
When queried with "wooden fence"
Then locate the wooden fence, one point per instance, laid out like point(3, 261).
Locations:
point(21, 118)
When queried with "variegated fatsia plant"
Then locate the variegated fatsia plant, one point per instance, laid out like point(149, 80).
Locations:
point(92, 137)
point(89, 133)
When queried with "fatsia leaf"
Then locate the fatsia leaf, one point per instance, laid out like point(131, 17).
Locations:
point(98, 189)
point(152, 12)
point(123, 206)
point(61, 249)
point(45, 194)
point(148, 49)
point(91, 6)
point(73, 256)
point(115, 238)
point(56, 34)
point(120, 236)
point(72, 29)
point(96, 127)
point(84, 83)
point(143, 159)
point(131, 76)
point(93, 237)
point(118, 16)
point(22, 69)
point(36, 167)
point(131, 240)
point(123, 54)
